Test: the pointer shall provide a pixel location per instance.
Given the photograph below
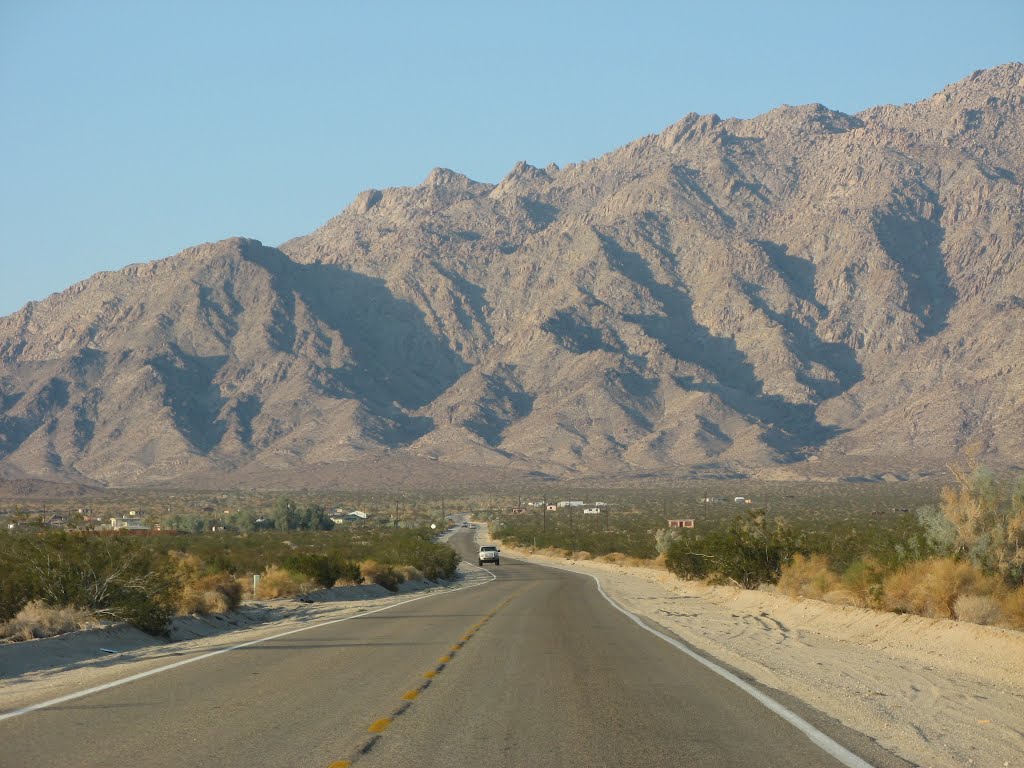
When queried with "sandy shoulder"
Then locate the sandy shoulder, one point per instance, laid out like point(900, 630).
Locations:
point(934, 692)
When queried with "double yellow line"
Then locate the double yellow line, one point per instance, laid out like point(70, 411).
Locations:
point(378, 727)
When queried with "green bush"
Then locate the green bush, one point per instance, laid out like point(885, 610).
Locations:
point(114, 577)
point(750, 551)
point(321, 569)
point(144, 580)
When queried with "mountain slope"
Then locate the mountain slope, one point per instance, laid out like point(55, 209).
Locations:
point(806, 292)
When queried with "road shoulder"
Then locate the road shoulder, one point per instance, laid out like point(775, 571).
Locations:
point(39, 670)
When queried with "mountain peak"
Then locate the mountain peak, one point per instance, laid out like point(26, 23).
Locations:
point(728, 297)
point(445, 177)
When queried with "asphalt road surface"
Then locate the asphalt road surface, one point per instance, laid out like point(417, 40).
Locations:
point(534, 668)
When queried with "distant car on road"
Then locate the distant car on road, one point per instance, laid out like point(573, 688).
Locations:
point(489, 554)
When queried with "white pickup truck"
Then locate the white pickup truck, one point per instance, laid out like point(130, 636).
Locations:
point(489, 554)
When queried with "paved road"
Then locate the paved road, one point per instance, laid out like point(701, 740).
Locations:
point(532, 669)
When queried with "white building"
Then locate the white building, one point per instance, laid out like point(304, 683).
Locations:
point(130, 522)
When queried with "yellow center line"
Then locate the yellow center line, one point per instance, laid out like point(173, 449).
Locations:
point(379, 726)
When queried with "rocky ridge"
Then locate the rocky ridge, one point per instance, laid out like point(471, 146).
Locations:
point(805, 293)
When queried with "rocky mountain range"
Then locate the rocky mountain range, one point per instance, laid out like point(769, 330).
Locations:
point(802, 294)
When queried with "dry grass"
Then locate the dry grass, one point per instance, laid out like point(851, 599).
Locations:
point(978, 609)
point(617, 558)
point(347, 582)
point(1012, 608)
point(931, 587)
point(245, 587)
point(277, 582)
point(582, 555)
point(384, 575)
point(409, 573)
point(214, 593)
point(808, 577)
point(37, 620)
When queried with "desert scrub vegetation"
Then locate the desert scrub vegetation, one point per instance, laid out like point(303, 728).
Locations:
point(750, 551)
point(37, 620)
point(961, 559)
point(146, 580)
point(958, 555)
point(111, 577)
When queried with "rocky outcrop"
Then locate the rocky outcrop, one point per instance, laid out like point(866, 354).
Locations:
point(804, 292)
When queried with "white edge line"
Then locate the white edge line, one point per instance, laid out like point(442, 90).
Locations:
point(825, 742)
point(193, 659)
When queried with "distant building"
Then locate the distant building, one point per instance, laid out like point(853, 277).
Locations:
point(130, 522)
point(592, 510)
point(551, 508)
point(355, 516)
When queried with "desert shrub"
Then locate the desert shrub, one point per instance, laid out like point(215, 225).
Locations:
point(807, 576)
point(114, 577)
point(862, 581)
point(382, 574)
point(931, 587)
point(409, 573)
point(583, 555)
point(749, 552)
point(37, 619)
point(977, 609)
point(348, 573)
point(212, 593)
point(1012, 609)
point(19, 585)
point(317, 568)
point(277, 582)
point(986, 529)
point(664, 538)
point(686, 563)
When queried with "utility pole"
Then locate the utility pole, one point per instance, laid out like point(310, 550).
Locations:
point(545, 514)
point(572, 530)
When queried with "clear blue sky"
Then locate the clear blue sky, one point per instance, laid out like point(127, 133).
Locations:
point(130, 130)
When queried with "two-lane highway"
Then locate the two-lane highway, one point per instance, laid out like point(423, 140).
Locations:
point(534, 668)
